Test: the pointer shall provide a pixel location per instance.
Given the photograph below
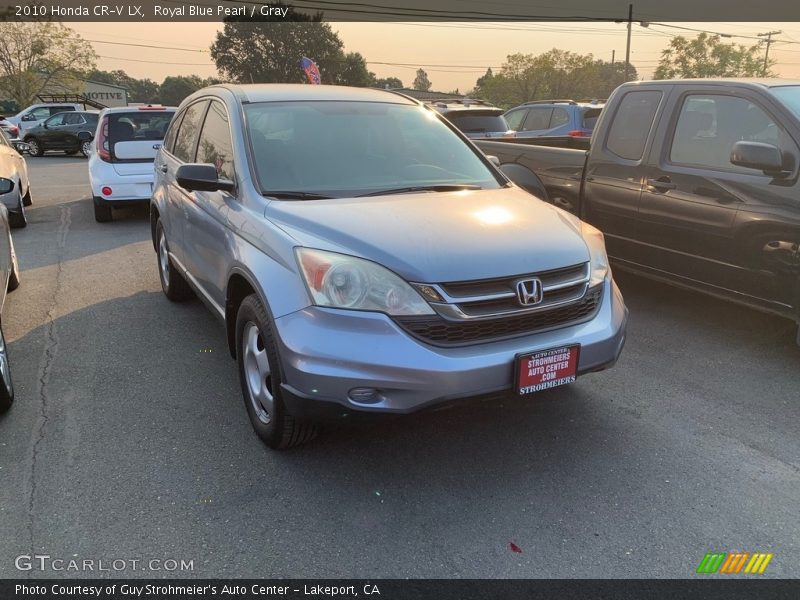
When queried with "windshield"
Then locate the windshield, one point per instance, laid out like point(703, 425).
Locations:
point(790, 96)
point(345, 149)
point(476, 123)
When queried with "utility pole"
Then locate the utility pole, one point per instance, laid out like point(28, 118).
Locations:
point(628, 46)
point(613, 54)
point(768, 42)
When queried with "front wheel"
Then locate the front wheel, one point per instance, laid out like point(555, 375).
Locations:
point(6, 387)
point(260, 377)
point(34, 147)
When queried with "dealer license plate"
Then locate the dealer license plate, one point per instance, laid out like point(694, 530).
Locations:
point(537, 371)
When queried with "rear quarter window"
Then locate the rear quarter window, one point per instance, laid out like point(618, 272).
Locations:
point(632, 123)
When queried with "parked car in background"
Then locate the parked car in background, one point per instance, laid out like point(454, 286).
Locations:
point(70, 132)
point(35, 114)
point(555, 122)
point(692, 181)
point(475, 118)
point(126, 141)
point(9, 280)
point(14, 168)
point(366, 258)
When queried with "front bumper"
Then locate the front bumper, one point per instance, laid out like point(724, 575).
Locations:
point(326, 353)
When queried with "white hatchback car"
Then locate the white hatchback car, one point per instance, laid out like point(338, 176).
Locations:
point(121, 163)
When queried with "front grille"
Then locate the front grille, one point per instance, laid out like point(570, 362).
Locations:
point(487, 287)
point(441, 332)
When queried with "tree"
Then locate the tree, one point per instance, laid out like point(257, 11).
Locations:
point(553, 74)
point(41, 55)
point(267, 51)
point(350, 69)
point(388, 83)
point(484, 78)
point(707, 56)
point(175, 88)
point(421, 81)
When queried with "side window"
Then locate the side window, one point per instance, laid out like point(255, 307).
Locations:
point(709, 125)
point(55, 121)
point(215, 146)
point(186, 140)
point(538, 118)
point(40, 113)
point(172, 132)
point(515, 118)
point(73, 119)
point(632, 123)
point(560, 117)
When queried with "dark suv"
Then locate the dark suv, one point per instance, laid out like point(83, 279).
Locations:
point(564, 122)
point(475, 118)
point(71, 132)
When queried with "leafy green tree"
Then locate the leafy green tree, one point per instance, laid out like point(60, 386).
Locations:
point(553, 74)
point(421, 81)
point(707, 56)
point(268, 51)
point(389, 82)
point(36, 56)
point(175, 88)
point(349, 69)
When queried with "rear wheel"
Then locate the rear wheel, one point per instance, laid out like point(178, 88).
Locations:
point(260, 377)
point(86, 148)
point(173, 284)
point(34, 147)
point(102, 211)
point(17, 218)
point(6, 387)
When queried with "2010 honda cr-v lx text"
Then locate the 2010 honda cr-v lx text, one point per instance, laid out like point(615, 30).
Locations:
point(365, 256)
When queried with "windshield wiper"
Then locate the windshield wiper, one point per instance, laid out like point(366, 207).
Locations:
point(446, 187)
point(295, 195)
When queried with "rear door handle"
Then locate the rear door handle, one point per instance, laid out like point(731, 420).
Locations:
point(663, 183)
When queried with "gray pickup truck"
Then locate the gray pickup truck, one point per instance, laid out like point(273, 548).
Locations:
point(692, 181)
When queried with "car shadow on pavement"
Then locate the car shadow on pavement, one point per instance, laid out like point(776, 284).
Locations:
point(132, 413)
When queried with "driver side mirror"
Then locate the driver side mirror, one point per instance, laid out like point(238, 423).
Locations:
point(196, 177)
point(761, 156)
point(6, 185)
point(28, 117)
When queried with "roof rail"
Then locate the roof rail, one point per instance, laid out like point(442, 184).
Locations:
point(559, 101)
point(464, 101)
point(71, 99)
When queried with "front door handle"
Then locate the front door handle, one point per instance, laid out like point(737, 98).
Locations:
point(661, 184)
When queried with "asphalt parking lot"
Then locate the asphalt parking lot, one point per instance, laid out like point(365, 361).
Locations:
point(129, 439)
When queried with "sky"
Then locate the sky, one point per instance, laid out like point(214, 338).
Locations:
point(453, 54)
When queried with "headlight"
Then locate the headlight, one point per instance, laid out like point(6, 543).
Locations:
point(342, 281)
point(597, 252)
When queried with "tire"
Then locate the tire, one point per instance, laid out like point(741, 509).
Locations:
point(6, 386)
point(102, 212)
point(260, 377)
point(27, 200)
point(173, 284)
point(86, 148)
point(17, 219)
point(34, 147)
point(13, 277)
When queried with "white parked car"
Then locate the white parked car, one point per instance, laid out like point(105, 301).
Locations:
point(14, 168)
point(121, 163)
point(35, 114)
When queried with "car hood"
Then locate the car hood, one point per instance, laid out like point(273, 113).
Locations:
point(438, 237)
